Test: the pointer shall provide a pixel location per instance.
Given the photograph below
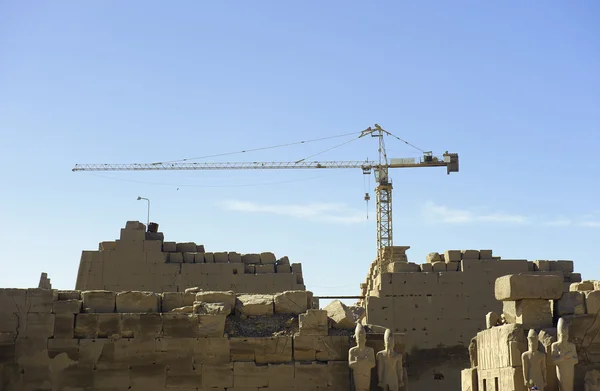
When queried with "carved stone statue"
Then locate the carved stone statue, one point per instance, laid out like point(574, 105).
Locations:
point(390, 371)
point(564, 356)
point(361, 359)
point(592, 380)
point(473, 352)
point(534, 363)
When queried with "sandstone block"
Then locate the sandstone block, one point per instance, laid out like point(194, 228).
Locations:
point(208, 258)
point(531, 313)
point(39, 300)
point(267, 258)
point(340, 314)
point(221, 257)
point(313, 373)
point(36, 325)
point(251, 258)
point(542, 266)
point(67, 306)
point(452, 255)
point(297, 268)
point(211, 325)
point(452, 266)
point(469, 254)
point(592, 302)
point(217, 375)
point(403, 267)
point(261, 269)
point(581, 286)
point(254, 305)
point(281, 377)
point(202, 308)
point(283, 269)
point(485, 254)
point(172, 300)
point(107, 246)
point(135, 226)
point(169, 247)
point(575, 277)
point(433, 257)
point(189, 257)
point(249, 269)
point(313, 322)
point(186, 247)
point(283, 261)
point(439, 266)
point(426, 267)
point(69, 295)
point(235, 257)
point(227, 298)
point(138, 302)
point(99, 301)
point(571, 303)
point(132, 236)
point(248, 374)
point(274, 350)
point(176, 257)
point(305, 347)
point(332, 348)
point(563, 266)
point(291, 302)
point(200, 248)
point(528, 286)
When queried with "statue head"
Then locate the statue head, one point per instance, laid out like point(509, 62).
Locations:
point(360, 335)
point(562, 329)
point(533, 341)
point(388, 339)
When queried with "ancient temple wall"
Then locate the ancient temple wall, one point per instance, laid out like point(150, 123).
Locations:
point(142, 261)
point(72, 340)
point(497, 357)
point(445, 307)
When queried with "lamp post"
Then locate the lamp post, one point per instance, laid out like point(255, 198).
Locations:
point(142, 198)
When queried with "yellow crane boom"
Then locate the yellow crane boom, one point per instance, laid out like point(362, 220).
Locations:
point(380, 169)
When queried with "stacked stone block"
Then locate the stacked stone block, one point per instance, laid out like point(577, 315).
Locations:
point(534, 301)
point(99, 340)
point(143, 261)
point(441, 301)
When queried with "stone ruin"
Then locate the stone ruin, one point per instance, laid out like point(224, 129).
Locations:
point(143, 261)
point(439, 305)
point(535, 307)
point(154, 315)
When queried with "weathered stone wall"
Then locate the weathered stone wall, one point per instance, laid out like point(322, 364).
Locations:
point(445, 306)
point(142, 261)
point(496, 353)
point(103, 340)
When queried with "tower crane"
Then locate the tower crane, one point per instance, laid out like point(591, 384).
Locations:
point(380, 169)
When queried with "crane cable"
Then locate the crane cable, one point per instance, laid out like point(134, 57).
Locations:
point(327, 150)
point(262, 148)
point(406, 142)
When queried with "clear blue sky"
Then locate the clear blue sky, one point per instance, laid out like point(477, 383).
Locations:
point(513, 87)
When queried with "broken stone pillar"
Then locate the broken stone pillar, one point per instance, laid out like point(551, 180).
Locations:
point(44, 282)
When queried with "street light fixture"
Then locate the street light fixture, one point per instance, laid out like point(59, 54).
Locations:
point(142, 198)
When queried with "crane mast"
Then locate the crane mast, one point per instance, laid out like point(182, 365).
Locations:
point(380, 169)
